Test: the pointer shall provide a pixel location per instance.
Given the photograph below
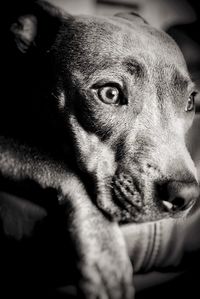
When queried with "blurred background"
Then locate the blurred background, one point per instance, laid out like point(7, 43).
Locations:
point(160, 13)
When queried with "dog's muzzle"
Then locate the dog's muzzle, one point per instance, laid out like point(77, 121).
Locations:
point(163, 197)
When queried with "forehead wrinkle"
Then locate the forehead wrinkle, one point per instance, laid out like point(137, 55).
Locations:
point(134, 67)
point(181, 81)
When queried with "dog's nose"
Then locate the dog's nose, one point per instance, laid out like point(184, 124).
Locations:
point(178, 196)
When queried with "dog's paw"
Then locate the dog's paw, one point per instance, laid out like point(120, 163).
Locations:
point(106, 279)
point(103, 264)
point(106, 272)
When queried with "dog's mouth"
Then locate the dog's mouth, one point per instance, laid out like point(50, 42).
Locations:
point(128, 194)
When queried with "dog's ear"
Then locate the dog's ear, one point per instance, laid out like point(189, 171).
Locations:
point(37, 25)
point(131, 16)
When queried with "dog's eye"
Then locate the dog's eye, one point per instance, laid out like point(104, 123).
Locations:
point(110, 95)
point(191, 102)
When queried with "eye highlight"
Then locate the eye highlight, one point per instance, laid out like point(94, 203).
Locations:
point(190, 102)
point(111, 94)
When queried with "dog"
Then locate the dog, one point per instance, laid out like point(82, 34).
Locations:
point(98, 111)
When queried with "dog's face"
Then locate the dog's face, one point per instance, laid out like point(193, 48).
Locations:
point(127, 84)
point(130, 86)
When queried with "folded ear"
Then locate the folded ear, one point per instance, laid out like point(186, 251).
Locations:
point(131, 16)
point(37, 26)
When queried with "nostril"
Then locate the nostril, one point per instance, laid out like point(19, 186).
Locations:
point(179, 203)
point(177, 196)
point(175, 205)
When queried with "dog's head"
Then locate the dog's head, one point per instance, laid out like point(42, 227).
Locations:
point(125, 94)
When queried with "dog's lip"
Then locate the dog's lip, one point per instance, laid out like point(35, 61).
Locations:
point(129, 212)
point(127, 191)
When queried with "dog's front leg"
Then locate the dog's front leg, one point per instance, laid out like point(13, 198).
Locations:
point(102, 261)
point(104, 268)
